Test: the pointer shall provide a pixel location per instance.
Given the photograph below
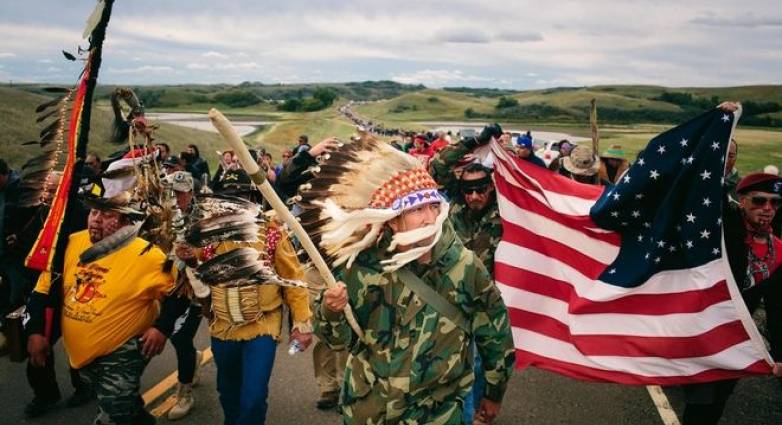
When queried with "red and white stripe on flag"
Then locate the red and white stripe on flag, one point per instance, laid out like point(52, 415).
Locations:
point(680, 326)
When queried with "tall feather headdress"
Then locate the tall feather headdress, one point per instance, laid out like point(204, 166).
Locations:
point(356, 190)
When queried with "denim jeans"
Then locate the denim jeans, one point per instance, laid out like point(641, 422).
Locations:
point(243, 372)
point(473, 400)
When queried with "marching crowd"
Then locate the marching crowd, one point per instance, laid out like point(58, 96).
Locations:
point(415, 330)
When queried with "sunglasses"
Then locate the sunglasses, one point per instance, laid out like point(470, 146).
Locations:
point(761, 201)
point(479, 190)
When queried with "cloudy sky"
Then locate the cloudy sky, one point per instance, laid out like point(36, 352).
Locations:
point(487, 43)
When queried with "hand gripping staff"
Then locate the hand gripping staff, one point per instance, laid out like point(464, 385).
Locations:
point(226, 130)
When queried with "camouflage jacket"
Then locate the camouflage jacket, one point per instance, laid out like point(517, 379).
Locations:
point(480, 234)
point(413, 359)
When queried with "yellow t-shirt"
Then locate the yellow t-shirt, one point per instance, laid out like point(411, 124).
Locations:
point(109, 301)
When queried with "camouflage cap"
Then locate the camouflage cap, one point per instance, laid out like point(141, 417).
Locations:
point(181, 181)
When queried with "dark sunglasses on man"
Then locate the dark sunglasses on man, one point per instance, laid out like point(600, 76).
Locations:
point(759, 201)
point(480, 190)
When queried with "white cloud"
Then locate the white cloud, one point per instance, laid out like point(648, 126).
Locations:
point(5, 55)
point(439, 78)
point(216, 55)
point(150, 69)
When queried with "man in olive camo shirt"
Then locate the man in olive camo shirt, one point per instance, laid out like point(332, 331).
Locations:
point(474, 212)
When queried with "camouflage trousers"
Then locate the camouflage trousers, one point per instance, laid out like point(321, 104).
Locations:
point(116, 379)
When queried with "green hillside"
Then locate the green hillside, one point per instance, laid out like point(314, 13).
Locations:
point(424, 105)
point(616, 104)
point(249, 97)
point(17, 125)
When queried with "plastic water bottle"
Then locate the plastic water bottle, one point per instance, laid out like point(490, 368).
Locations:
point(294, 348)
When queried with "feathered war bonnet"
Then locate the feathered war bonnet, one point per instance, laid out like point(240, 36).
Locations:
point(356, 190)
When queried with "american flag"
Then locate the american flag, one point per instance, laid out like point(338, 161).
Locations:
point(627, 283)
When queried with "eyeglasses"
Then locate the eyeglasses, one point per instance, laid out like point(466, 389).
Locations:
point(761, 201)
point(478, 190)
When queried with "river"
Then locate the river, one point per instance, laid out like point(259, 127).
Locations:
point(200, 121)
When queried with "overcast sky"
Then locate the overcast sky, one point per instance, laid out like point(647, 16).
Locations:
point(487, 43)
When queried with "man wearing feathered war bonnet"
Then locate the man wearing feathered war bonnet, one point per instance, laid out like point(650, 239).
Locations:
point(111, 284)
point(418, 294)
point(244, 269)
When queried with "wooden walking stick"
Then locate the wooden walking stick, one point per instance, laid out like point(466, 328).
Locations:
point(226, 130)
point(593, 124)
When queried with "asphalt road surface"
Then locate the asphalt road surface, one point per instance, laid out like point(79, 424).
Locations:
point(533, 397)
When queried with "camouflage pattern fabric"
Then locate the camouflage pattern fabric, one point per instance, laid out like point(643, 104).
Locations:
point(479, 233)
point(116, 379)
point(416, 366)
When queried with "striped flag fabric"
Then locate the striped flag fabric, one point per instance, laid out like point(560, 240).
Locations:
point(627, 283)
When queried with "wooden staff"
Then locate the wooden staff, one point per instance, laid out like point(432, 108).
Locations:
point(226, 130)
point(593, 124)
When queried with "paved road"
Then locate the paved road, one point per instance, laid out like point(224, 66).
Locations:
point(534, 397)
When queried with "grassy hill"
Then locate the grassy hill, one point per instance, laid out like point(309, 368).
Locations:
point(17, 125)
point(616, 104)
point(424, 105)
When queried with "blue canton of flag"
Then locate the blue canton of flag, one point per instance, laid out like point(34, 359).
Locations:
point(668, 205)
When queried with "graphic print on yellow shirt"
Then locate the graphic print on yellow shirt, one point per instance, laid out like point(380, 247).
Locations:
point(89, 280)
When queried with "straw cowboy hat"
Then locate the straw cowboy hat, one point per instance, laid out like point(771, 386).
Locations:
point(582, 162)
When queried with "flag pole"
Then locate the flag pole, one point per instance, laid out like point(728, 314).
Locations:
point(593, 124)
point(226, 130)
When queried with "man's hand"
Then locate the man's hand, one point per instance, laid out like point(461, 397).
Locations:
point(185, 253)
point(305, 339)
point(335, 299)
point(10, 240)
point(729, 106)
point(492, 130)
point(154, 342)
point(38, 347)
point(326, 145)
point(777, 370)
point(487, 411)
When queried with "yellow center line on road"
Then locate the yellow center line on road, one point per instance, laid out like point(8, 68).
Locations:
point(667, 414)
point(166, 384)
